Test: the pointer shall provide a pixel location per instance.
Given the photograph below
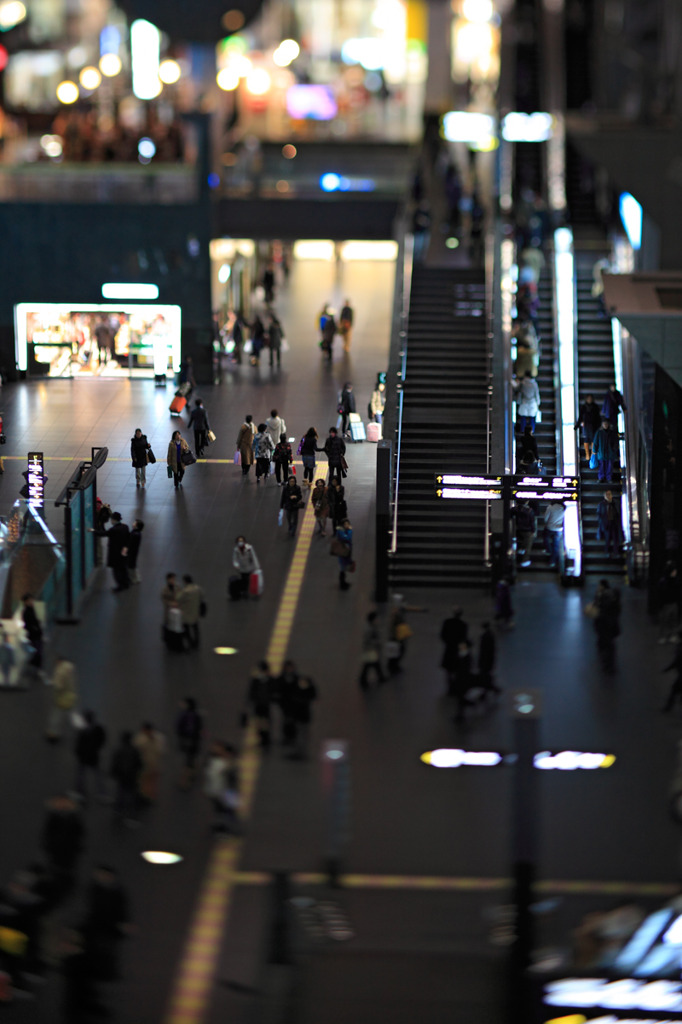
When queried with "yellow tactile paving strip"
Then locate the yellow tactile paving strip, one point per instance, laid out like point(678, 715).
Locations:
point(191, 995)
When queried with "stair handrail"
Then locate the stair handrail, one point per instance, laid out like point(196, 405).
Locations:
point(398, 365)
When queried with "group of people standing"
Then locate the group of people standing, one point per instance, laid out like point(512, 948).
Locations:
point(329, 327)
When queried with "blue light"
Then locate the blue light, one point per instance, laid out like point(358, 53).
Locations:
point(109, 40)
point(213, 180)
point(330, 182)
point(631, 216)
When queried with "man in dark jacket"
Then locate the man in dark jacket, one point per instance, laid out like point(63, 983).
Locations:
point(335, 450)
point(609, 528)
point(605, 447)
point(88, 747)
point(126, 765)
point(487, 656)
point(275, 341)
point(453, 632)
point(346, 405)
point(117, 551)
point(198, 420)
point(106, 922)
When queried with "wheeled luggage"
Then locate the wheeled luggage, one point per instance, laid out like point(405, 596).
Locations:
point(234, 587)
point(177, 405)
point(373, 431)
point(256, 583)
point(356, 427)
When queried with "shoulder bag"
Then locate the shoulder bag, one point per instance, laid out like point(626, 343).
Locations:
point(151, 457)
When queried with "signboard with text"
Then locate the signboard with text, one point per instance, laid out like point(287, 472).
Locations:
point(488, 487)
point(35, 479)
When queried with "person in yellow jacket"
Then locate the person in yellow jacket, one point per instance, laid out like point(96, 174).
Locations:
point(64, 697)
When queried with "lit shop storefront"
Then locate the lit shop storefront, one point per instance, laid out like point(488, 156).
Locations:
point(97, 340)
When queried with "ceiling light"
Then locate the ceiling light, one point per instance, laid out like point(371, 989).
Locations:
point(67, 92)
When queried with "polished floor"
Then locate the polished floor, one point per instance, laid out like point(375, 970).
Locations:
point(408, 823)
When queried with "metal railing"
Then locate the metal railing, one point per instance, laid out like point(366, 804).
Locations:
point(398, 365)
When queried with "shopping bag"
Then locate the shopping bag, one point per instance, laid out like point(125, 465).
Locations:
point(237, 458)
point(247, 347)
point(594, 461)
point(211, 436)
point(280, 517)
point(169, 471)
point(256, 583)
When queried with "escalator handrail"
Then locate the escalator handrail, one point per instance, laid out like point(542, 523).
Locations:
point(403, 289)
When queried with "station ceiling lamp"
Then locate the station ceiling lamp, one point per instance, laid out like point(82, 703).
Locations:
point(170, 71)
point(90, 79)
point(67, 92)
point(11, 13)
point(110, 65)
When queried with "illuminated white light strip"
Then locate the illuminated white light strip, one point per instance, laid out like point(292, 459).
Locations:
point(564, 269)
point(114, 290)
point(145, 50)
point(465, 492)
point(467, 481)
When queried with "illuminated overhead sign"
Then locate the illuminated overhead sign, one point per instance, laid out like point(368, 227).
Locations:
point(562, 760)
point(35, 479)
point(468, 126)
point(536, 127)
point(524, 488)
point(447, 757)
point(628, 995)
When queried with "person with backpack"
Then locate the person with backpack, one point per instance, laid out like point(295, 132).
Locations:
point(262, 450)
point(282, 458)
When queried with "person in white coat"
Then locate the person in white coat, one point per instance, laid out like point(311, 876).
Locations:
point(245, 561)
point(527, 402)
point(276, 427)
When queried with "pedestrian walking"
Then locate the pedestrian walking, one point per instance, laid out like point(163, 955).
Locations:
point(198, 421)
point(399, 630)
point(245, 444)
point(291, 503)
point(284, 682)
point(134, 541)
point(192, 605)
point(189, 727)
point(461, 681)
point(328, 327)
point(527, 448)
point(377, 403)
point(504, 610)
point(605, 451)
point(263, 449)
point(259, 699)
point(276, 427)
point(526, 531)
point(64, 695)
point(371, 652)
point(34, 632)
point(178, 454)
point(221, 785)
point(282, 458)
point(605, 610)
point(62, 841)
point(275, 337)
point(117, 537)
point(298, 700)
point(609, 527)
point(554, 534)
point(139, 453)
point(238, 338)
point(172, 626)
point(589, 421)
point(335, 450)
point(453, 632)
point(126, 765)
point(150, 745)
point(527, 402)
point(245, 561)
point(257, 340)
point(309, 447)
point(320, 500)
point(668, 601)
point(487, 657)
point(346, 406)
point(338, 507)
point(676, 688)
point(612, 404)
point(342, 548)
point(105, 924)
point(346, 317)
point(91, 738)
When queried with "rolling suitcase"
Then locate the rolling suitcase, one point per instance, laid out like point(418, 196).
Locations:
point(234, 587)
point(374, 432)
point(356, 427)
point(177, 405)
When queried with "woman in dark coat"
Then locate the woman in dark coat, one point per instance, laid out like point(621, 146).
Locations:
point(177, 446)
point(338, 509)
point(139, 453)
point(292, 500)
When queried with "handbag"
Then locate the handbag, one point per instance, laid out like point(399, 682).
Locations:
point(169, 471)
point(344, 464)
point(280, 517)
point(187, 458)
point(151, 457)
point(594, 461)
point(211, 436)
point(338, 549)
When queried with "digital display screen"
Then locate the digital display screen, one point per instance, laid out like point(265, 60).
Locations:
point(311, 102)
